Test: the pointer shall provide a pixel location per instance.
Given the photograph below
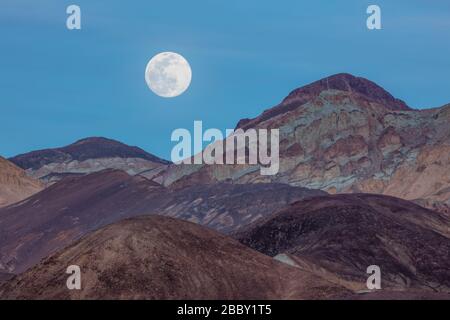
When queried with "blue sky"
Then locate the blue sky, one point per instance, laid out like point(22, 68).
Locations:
point(57, 86)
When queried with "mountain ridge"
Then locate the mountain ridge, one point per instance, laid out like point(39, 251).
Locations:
point(85, 156)
point(83, 149)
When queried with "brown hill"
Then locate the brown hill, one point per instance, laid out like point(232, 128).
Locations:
point(163, 258)
point(15, 185)
point(346, 134)
point(67, 210)
point(339, 236)
point(87, 156)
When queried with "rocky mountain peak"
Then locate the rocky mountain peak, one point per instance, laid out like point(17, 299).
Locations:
point(342, 82)
point(348, 83)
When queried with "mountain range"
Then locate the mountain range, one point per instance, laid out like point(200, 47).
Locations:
point(364, 180)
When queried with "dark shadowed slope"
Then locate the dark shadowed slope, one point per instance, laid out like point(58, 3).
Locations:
point(162, 258)
point(340, 236)
point(86, 156)
point(55, 217)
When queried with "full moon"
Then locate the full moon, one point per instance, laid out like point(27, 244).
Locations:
point(168, 74)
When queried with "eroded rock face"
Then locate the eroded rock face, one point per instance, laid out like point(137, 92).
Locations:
point(163, 258)
point(341, 82)
point(228, 207)
point(339, 236)
point(346, 134)
point(15, 185)
point(86, 156)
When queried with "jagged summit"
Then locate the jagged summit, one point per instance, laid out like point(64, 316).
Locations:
point(341, 81)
